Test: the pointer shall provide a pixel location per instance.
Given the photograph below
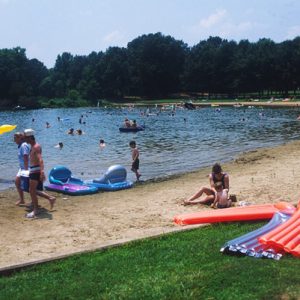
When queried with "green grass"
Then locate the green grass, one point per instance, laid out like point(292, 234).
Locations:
point(186, 265)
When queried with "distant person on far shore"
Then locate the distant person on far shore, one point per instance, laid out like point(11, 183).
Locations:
point(135, 160)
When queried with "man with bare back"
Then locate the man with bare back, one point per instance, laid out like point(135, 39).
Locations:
point(36, 173)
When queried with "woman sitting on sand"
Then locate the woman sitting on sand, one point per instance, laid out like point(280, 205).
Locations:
point(217, 175)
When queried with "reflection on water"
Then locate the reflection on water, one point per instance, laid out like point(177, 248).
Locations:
point(169, 145)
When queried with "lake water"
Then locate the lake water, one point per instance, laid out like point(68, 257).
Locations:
point(169, 145)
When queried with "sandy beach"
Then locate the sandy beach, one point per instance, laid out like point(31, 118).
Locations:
point(89, 222)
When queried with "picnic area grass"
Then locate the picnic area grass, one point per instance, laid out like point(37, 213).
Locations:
point(184, 265)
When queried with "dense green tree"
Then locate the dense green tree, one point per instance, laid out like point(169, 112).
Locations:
point(243, 68)
point(61, 75)
point(287, 75)
point(156, 63)
point(89, 85)
point(114, 73)
point(19, 77)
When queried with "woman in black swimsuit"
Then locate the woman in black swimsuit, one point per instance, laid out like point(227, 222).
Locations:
point(216, 175)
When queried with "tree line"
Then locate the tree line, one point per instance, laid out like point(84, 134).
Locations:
point(151, 66)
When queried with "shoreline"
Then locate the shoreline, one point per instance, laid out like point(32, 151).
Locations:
point(175, 175)
point(209, 103)
point(200, 103)
point(265, 175)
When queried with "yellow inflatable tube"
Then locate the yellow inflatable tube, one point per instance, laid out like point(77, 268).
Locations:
point(7, 128)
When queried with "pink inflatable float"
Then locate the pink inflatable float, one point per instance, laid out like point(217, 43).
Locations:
point(286, 236)
point(243, 213)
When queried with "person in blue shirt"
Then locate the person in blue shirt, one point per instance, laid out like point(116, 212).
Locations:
point(23, 157)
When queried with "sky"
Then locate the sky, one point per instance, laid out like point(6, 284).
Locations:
point(47, 28)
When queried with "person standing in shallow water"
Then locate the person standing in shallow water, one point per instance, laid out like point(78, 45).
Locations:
point(135, 160)
point(102, 144)
point(217, 175)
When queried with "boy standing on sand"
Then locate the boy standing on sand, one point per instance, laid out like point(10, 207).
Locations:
point(135, 160)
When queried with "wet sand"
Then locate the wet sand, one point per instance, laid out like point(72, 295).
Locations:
point(88, 222)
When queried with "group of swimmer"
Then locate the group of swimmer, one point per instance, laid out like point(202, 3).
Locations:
point(71, 131)
point(77, 131)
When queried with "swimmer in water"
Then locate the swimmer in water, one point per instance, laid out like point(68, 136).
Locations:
point(71, 131)
point(60, 145)
point(79, 132)
point(102, 144)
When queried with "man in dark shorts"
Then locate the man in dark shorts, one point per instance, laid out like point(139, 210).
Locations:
point(36, 173)
point(135, 160)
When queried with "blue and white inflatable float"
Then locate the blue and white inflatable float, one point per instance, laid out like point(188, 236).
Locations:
point(114, 179)
point(61, 181)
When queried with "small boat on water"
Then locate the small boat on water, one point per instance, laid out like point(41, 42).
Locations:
point(132, 129)
point(189, 105)
point(18, 107)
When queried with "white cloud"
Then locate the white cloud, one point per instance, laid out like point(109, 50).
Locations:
point(222, 24)
point(213, 19)
point(293, 32)
point(113, 37)
point(231, 29)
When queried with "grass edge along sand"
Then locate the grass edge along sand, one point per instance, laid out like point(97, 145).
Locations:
point(173, 266)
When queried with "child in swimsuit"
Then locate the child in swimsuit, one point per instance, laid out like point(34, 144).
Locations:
point(135, 160)
point(221, 197)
